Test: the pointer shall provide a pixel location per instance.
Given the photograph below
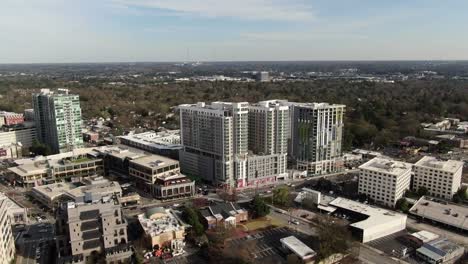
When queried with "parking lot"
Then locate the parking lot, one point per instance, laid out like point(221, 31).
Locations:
point(392, 247)
point(265, 246)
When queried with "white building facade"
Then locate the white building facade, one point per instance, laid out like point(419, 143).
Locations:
point(384, 180)
point(442, 178)
point(7, 242)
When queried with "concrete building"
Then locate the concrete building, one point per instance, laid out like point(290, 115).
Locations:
point(316, 137)
point(370, 222)
point(162, 228)
point(11, 151)
point(94, 188)
point(9, 118)
point(51, 195)
point(116, 159)
point(257, 170)
point(442, 178)
point(58, 119)
point(23, 134)
point(69, 166)
point(7, 250)
point(212, 136)
point(384, 180)
point(262, 76)
point(227, 214)
point(161, 177)
point(441, 212)
point(90, 227)
point(269, 127)
point(440, 251)
point(164, 143)
point(301, 250)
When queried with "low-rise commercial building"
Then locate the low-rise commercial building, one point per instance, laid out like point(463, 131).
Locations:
point(69, 166)
point(165, 143)
point(51, 195)
point(161, 177)
point(23, 134)
point(162, 228)
point(9, 118)
point(305, 253)
point(440, 251)
point(384, 180)
point(92, 226)
point(94, 188)
point(227, 214)
point(442, 178)
point(370, 222)
point(11, 151)
point(441, 212)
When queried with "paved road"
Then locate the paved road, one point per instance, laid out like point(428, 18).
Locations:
point(284, 219)
point(35, 237)
point(370, 256)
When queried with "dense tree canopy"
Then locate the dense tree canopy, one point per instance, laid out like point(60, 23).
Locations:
point(377, 114)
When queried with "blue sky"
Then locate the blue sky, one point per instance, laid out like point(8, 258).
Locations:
point(177, 30)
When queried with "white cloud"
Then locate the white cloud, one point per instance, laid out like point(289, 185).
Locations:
point(274, 10)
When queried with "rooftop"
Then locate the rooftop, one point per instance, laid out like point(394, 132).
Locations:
point(296, 246)
point(317, 105)
point(120, 152)
point(387, 166)
point(166, 139)
point(425, 236)
point(154, 161)
point(377, 216)
point(158, 220)
point(54, 190)
point(445, 165)
point(441, 211)
point(437, 249)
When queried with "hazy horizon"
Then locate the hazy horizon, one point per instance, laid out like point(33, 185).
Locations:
point(113, 31)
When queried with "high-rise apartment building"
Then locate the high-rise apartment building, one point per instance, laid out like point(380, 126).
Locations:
point(384, 180)
point(269, 127)
point(58, 119)
point(316, 136)
point(442, 178)
point(7, 242)
point(212, 136)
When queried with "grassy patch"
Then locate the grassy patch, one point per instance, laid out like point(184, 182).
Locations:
point(263, 222)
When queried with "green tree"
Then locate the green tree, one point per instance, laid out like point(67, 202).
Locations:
point(461, 195)
point(191, 216)
point(281, 195)
point(402, 204)
point(260, 208)
point(333, 238)
point(38, 148)
point(422, 191)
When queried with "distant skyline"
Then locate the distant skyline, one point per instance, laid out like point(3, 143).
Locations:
point(63, 31)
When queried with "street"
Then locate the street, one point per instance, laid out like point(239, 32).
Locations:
point(370, 256)
point(35, 244)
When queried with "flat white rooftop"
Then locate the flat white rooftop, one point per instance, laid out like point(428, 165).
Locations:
point(387, 166)
point(296, 246)
point(154, 161)
point(444, 165)
point(425, 236)
point(377, 216)
point(441, 211)
point(164, 139)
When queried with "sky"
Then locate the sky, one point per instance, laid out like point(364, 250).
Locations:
point(62, 31)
